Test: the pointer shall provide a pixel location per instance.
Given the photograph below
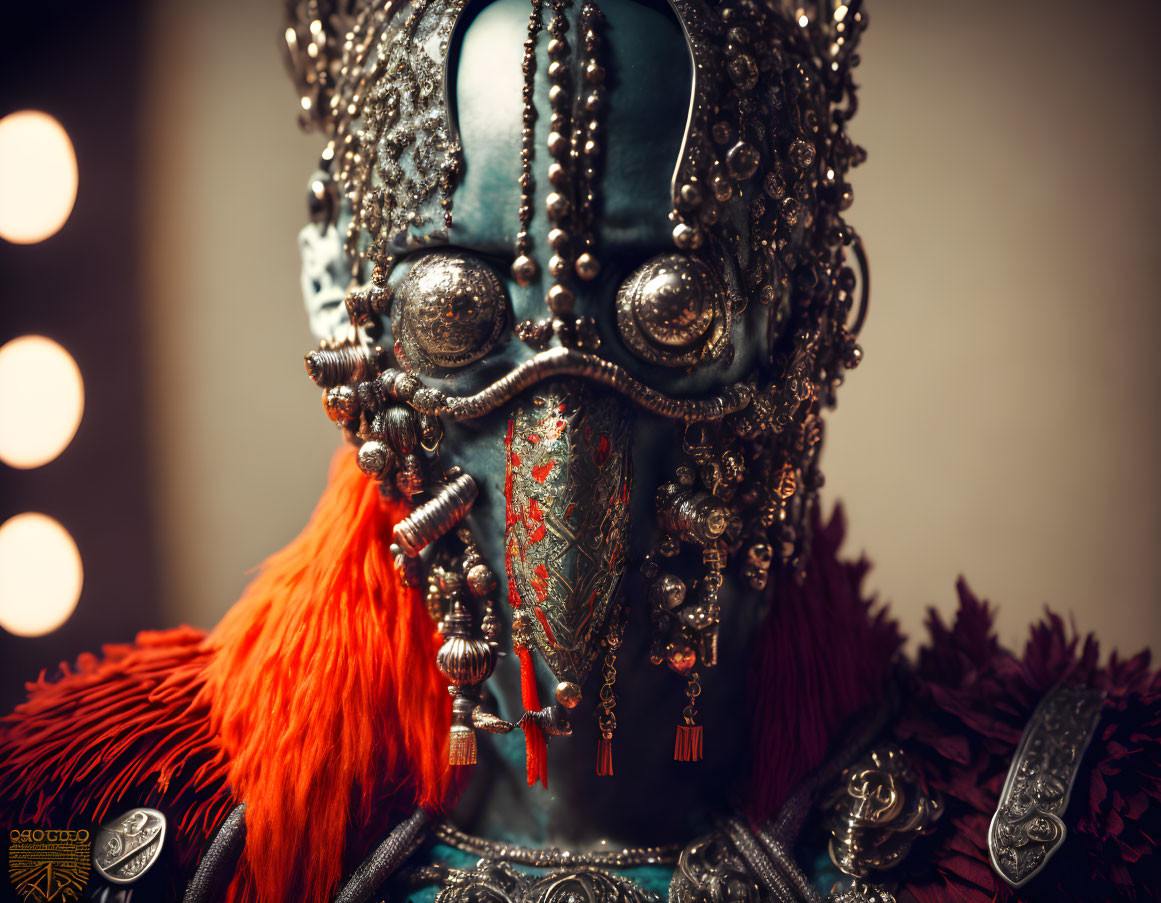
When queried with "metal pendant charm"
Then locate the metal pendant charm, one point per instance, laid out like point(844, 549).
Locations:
point(1027, 827)
point(711, 869)
point(466, 661)
point(877, 813)
point(127, 846)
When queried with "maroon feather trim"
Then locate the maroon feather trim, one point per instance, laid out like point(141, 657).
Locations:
point(823, 653)
point(968, 704)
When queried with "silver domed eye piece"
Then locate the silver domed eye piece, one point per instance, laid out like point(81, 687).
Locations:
point(673, 311)
point(449, 310)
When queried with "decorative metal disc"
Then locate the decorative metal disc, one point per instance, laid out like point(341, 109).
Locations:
point(449, 310)
point(673, 312)
point(127, 846)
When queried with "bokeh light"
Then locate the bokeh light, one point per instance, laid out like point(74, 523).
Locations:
point(42, 398)
point(40, 575)
point(38, 177)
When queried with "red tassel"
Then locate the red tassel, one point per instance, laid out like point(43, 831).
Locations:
point(687, 746)
point(535, 747)
point(605, 756)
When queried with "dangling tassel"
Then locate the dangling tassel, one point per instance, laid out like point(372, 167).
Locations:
point(606, 718)
point(687, 746)
point(466, 662)
point(462, 746)
point(535, 746)
point(605, 755)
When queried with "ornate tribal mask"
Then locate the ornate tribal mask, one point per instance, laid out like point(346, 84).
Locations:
point(583, 242)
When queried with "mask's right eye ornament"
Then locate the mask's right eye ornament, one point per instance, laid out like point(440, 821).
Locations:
point(673, 311)
point(450, 310)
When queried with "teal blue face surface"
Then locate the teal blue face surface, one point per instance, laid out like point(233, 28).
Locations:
point(455, 308)
point(642, 126)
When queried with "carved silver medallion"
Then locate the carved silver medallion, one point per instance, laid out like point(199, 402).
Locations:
point(1027, 827)
point(127, 846)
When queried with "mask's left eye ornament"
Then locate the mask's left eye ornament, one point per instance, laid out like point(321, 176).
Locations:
point(448, 311)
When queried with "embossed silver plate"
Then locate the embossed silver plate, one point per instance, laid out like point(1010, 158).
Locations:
point(1028, 826)
point(127, 846)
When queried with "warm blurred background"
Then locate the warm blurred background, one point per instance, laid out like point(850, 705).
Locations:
point(1004, 424)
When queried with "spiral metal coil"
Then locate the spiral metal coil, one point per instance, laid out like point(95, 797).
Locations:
point(435, 517)
point(331, 367)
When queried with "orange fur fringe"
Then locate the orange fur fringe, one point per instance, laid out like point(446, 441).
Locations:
point(324, 691)
point(316, 701)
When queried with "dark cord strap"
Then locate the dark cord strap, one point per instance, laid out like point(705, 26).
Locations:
point(388, 856)
point(216, 870)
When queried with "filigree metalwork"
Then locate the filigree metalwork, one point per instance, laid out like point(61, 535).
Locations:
point(397, 153)
point(127, 846)
point(711, 870)
point(567, 489)
point(498, 882)
point(734, 864)
point(1027, 828)
point(877, 812)
point(554, 857)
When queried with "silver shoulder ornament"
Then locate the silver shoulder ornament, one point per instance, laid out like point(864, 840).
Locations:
point(1027, 827)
